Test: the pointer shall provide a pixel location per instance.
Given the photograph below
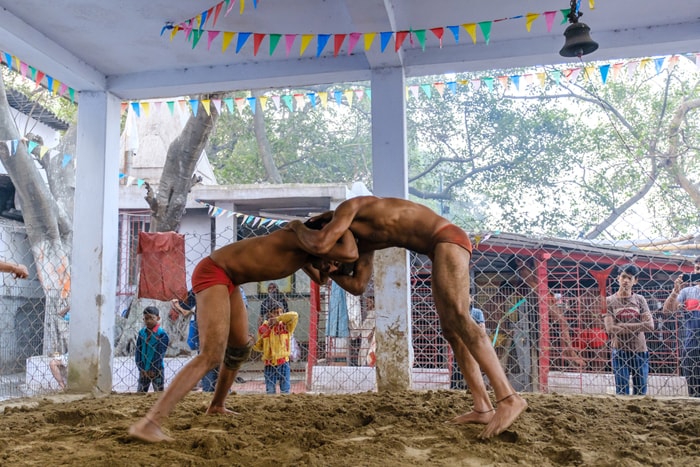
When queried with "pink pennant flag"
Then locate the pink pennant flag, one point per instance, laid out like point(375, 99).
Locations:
point(23, 68)
point(631, 68)
point(217, 105)
point(414, 91)
point(288, 42)
point(476, 84)
point(62, 89)
point(359, 93)
point(549, 19)
point(276, 101)
point(574, 75)
point(230, 7)
point(211, 35)
point(354, 38)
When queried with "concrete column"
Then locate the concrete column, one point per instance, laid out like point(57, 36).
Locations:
point(391, 267)
point(95, 230)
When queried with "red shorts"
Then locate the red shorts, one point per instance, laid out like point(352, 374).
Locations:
point(451, 233)
point(208, 274)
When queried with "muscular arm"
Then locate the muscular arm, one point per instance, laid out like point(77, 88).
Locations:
point(356, 281)
point(320, 242)
point(343, 248)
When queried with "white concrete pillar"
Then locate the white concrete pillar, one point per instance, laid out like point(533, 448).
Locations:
point(95, 243)
point(391, 267)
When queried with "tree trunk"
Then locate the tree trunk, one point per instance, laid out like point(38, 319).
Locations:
point(48, 221)
point(273, 175)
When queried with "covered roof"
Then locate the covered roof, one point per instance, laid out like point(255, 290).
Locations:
point(96, 45)
point(26, 106)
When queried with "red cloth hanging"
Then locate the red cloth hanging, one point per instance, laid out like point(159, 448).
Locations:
point(162, 274)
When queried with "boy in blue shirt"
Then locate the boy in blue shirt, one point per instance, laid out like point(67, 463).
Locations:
point(151, 344)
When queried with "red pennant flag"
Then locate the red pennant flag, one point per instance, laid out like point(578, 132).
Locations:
point(400, 37)
point(39, 76)
point(438, 33)
point(338, 40)
point(257, 40)
point(217, 12)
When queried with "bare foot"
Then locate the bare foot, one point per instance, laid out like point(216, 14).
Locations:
point(220, 410)
point(509, 408)
point(473, 417)
point(149, 431)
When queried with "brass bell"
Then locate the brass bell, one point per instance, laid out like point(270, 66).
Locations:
point(578, 41)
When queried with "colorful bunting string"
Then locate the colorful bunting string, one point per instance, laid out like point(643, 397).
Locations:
point(40, 78)
point(349, 96)
point(194, 29)
point(44, 151)
point(253, 221)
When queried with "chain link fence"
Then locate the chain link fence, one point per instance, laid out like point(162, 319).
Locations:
point(542, 301)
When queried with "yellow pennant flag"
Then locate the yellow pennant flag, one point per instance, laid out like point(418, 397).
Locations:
point(369, 38)
point(530, 18)
point(541, 77)
point(146, 108)
point(228, 37)
point(323, 97)
point(263, 102)
point(206, 103)
point(349, 96)
point(471, 29)
point(305, 40)
point(588, 72)
point(174, 31)
point(42, 151)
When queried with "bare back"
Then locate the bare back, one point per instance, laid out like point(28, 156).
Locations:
point(267, 257)
point(388, 222)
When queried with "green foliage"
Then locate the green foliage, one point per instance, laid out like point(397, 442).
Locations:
point(321, 145)
point(559, 160)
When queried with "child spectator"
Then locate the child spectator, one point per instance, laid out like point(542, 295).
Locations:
point(274, 341)
point(627, 318)
point(151, 344)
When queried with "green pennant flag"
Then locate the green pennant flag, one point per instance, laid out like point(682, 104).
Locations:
point(274, 40)
point(486, 30)
point(420, 35)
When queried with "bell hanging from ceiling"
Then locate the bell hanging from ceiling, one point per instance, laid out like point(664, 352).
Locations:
point(578, 41)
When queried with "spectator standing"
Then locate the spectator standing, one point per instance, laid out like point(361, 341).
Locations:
point(274, 341)
point(151, 344)
point(627, 318)
point(687, 301)
point(274, 298)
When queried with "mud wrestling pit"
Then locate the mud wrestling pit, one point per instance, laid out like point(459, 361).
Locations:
point(367, 429)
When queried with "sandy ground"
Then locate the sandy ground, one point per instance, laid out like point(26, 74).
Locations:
point(369, 429)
